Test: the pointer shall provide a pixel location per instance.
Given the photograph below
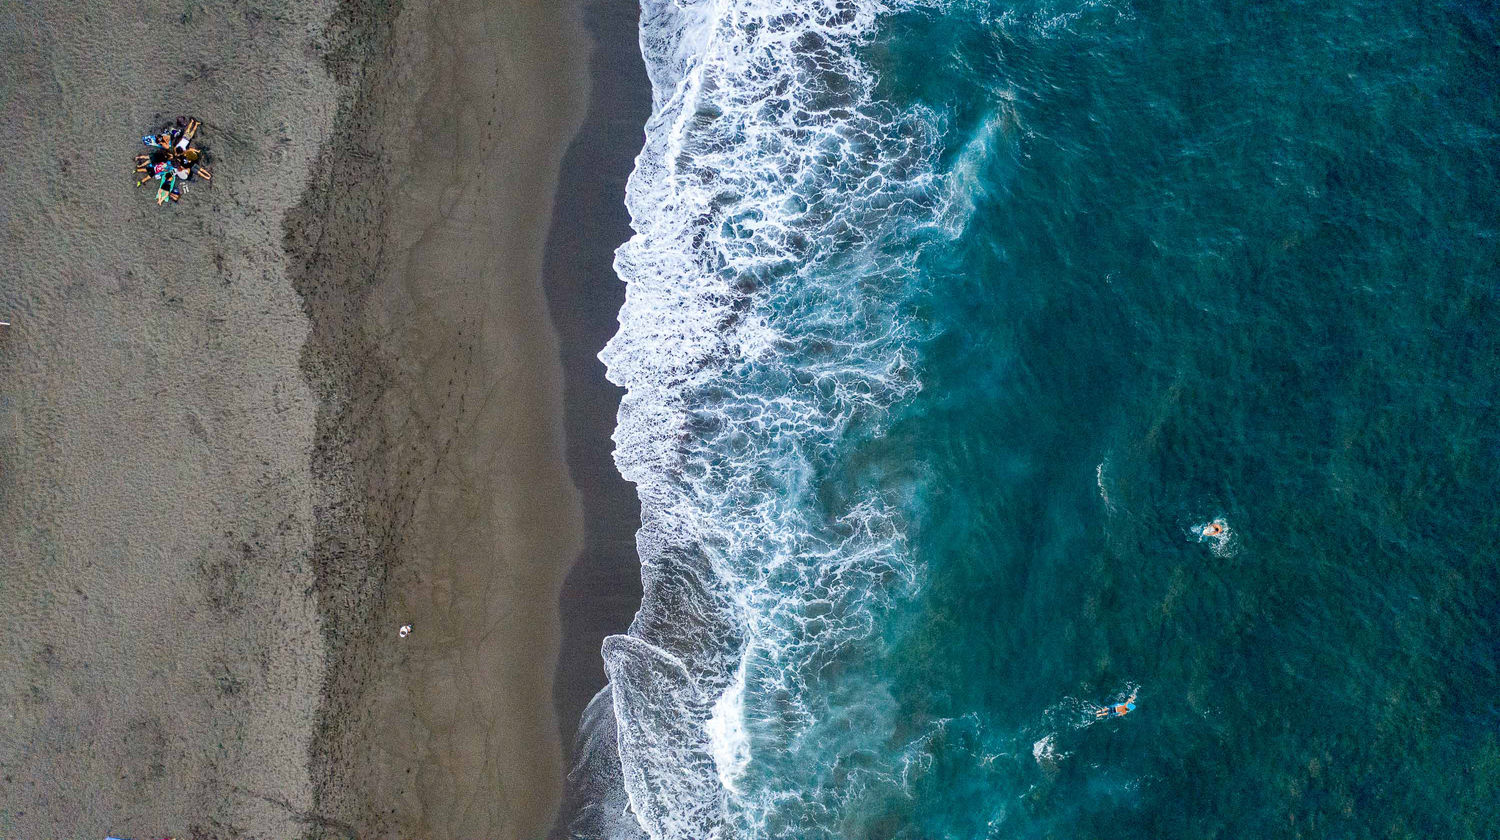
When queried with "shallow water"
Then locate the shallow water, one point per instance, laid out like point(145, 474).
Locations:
point(949, 326)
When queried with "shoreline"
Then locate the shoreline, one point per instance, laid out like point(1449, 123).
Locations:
point(603, 589)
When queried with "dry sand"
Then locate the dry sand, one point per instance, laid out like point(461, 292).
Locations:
point(227, 474)
point(162, 658)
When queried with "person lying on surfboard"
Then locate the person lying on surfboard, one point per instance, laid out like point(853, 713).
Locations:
point(1117, 710)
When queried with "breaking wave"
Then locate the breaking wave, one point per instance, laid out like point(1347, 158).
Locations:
point(780, 210)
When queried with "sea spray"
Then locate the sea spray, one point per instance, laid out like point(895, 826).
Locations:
point(779, 211)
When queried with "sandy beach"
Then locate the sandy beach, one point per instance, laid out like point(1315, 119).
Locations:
point(163, 662)
point(443, 498)
point(245, 438)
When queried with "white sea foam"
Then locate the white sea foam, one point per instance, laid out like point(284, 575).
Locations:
point(975, 174)
point(726, 733)
point(1109, 506)
point(779, 211)
point(1217, 534)
point(1045, 751)
point(668, 774)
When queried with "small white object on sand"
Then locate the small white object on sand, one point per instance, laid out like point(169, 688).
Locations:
point(405, 630)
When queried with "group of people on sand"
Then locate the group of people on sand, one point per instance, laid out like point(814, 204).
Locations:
point(173, 160)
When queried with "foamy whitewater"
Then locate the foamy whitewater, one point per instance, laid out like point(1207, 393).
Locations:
point(991, 365)
point(779, 212)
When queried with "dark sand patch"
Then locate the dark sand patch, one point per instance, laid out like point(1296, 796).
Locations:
point(603, 589)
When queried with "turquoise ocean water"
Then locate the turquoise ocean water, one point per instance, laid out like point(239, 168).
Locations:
point(949, 329)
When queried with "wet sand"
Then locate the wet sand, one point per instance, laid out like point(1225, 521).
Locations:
point(244, 439)
point(603, 589)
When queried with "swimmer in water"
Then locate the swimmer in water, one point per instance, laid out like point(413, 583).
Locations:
point(1213, 529)
point(1118, 710)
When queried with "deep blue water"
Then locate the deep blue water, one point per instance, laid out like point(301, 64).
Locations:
point(949, 330)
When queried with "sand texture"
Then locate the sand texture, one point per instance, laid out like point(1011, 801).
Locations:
point(162, 659)
point(244, 439)
point(444, 499)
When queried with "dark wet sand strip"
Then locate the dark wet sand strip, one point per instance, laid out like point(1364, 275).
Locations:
point(603, 589)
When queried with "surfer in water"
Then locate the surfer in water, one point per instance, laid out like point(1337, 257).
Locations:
point(1117, 710)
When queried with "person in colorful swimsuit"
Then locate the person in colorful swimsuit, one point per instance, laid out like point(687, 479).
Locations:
point(1118, 710)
